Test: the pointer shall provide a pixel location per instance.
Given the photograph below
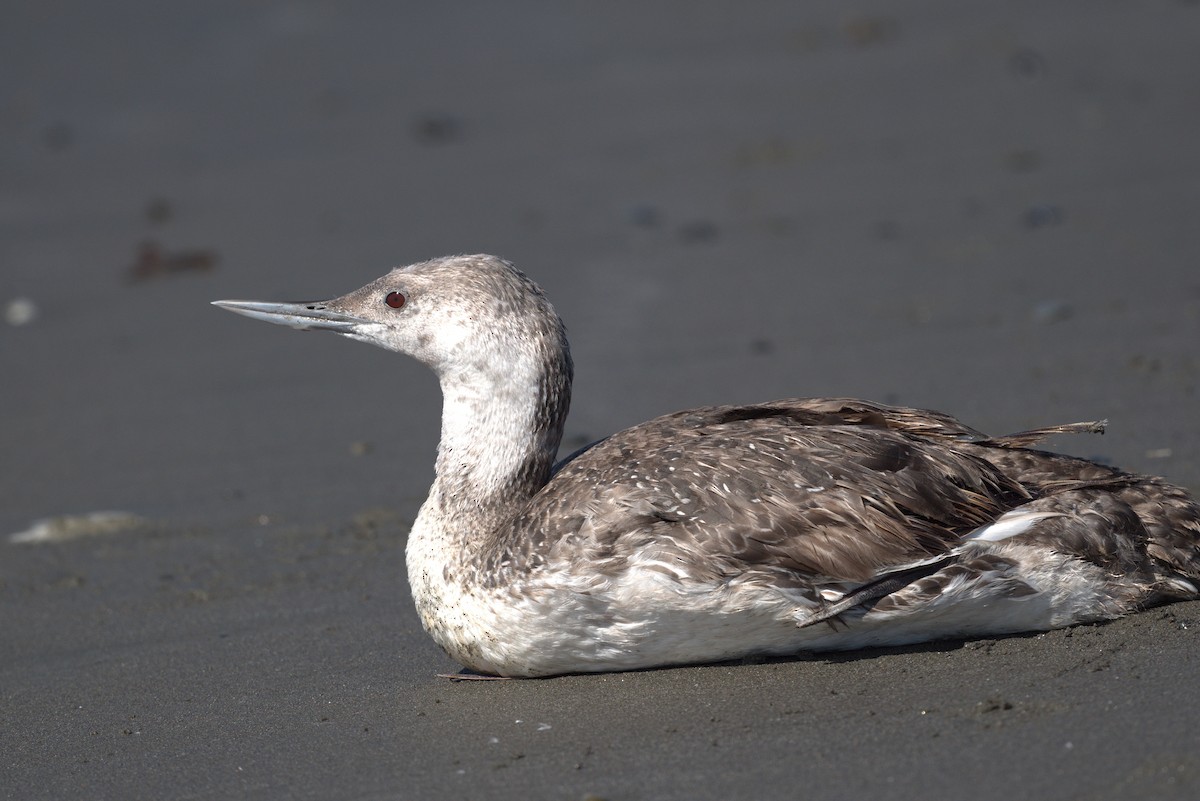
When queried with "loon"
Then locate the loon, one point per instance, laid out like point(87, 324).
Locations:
point(724, 532)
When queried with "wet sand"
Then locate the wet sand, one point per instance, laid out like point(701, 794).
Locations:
point(986, 210)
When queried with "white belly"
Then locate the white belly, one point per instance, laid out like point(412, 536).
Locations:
point(572, 623)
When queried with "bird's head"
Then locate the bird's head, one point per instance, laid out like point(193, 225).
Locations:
point(460, 315)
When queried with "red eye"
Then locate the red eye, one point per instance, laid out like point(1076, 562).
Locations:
point(395, 299)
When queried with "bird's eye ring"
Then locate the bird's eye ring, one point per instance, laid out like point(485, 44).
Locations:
point(395, 299)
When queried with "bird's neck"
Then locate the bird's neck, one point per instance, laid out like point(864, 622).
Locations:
point(499, 439)
point(496, 451)
point(501, 428)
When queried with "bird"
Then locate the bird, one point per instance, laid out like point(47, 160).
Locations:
point(727, 533)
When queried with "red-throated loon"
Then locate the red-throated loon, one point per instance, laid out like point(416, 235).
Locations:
point(722, 532)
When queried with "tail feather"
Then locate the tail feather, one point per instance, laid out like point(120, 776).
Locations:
point(1023, 439)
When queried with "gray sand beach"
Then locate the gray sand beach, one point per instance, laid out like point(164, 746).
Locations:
point(988, 209)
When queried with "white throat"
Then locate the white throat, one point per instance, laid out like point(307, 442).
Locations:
point(489, 431)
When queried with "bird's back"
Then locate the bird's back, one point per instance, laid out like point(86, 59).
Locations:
point(812, 491)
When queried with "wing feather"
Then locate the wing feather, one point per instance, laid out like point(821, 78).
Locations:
point(811, 488)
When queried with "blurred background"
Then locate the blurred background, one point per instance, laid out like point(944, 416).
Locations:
point(985, 208)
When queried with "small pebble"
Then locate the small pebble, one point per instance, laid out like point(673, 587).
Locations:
point(1027, 64)
point(437, 129)
point(698, 231)
point(1043, 215)
point(159, 211)
point(644, 215)
point(20, 311)
point(1052, 311)
point(762, 346)
point(865, 31)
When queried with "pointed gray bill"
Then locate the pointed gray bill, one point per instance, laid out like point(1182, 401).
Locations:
point(303, 316)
